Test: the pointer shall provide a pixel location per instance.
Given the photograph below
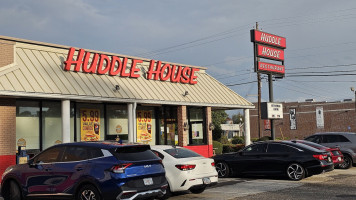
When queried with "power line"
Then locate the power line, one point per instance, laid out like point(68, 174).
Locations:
point(164, 50)
point(325, 66)
point(242, 83)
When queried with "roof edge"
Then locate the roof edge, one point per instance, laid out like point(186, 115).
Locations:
point(13, 39)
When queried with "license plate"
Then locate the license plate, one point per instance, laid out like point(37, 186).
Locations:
point(206, 181)
point(339, 159)
point(148, 181)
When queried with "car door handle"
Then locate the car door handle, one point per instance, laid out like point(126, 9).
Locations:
point(49, 169)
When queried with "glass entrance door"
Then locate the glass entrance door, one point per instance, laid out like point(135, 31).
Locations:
point(168, 133)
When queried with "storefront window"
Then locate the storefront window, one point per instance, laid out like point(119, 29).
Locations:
point(196, 128)
point(117, 117)
point(168, 133)
point(145, 125)
point(51, 123)
point(28, 123)
point(90, 122)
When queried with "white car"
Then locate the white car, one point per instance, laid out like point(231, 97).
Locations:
point(185, 169)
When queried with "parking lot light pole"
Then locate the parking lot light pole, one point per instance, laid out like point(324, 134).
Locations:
point(354, 91)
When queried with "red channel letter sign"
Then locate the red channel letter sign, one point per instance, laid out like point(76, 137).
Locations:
point(270, 53)
point(115, 66)
point(270, 67)
point(268, 39)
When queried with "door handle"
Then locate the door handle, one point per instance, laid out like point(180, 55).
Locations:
point(49, 169)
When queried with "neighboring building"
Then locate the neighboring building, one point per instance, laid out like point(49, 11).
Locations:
point(53, 93)
point(301, 119)
point(230, 129)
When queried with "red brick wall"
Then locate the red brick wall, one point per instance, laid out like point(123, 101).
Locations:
point(182, 134)
point(338, 116)
point(7, 133)
point(7, 52)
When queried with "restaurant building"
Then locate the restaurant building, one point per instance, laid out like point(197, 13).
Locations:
point(54, 94)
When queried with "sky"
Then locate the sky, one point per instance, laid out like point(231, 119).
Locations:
point(320, 58)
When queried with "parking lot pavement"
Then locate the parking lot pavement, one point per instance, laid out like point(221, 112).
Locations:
point(231, 188)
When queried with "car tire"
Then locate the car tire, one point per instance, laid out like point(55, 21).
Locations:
point(295, 172)
point(223, 169)
point(167, 195)
point(197, 190)
point(347, 162)
point(13, 192)
point(88, 192)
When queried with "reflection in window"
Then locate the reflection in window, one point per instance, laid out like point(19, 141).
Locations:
point(117, 122)
point(50, 155)
point(27, 123)
point(196, 128)
point(168, 133)
point(51, 123)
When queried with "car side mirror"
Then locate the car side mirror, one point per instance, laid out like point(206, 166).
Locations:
point(31, 163)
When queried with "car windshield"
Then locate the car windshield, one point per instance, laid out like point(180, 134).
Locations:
point(181, 153)
point(135, 153)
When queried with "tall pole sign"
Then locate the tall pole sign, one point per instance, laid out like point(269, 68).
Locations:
point(268, 47)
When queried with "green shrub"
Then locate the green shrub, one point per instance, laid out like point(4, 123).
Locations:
point(265, 138)
point(218, 147)
point(238, 140)
point(224, 140)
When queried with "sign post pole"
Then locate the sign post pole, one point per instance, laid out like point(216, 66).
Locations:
point(271, 100)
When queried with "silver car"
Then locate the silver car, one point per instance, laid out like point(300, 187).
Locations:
point(345, 141)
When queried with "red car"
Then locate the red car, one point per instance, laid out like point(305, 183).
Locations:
point(336, 154)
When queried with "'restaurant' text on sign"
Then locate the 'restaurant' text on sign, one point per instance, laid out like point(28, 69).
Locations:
point(270, 67)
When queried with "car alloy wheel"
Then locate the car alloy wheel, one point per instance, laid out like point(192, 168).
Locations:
point(88, 192)
point(222, 169)
point(347, 162)
point(295, 172)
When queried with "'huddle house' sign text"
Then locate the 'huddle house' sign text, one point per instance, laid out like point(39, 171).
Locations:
point(115, 66)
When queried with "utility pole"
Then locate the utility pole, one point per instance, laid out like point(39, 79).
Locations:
point(258, 94)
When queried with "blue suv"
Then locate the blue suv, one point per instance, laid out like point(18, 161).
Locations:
point(87, 170)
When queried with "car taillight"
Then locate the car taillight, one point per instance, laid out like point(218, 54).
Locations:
point(185, 167)
point(213, 164)
point(120, 168)
point(320, 157)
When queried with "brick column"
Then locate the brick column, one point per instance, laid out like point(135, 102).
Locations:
point(208, 120)
point(7, 133)
point(7, 52)
point(182, 134)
